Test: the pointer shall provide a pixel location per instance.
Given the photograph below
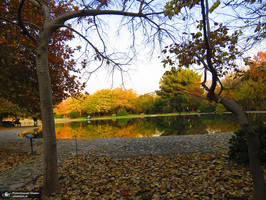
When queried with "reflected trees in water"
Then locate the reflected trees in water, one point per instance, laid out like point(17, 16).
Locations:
point(150, 126)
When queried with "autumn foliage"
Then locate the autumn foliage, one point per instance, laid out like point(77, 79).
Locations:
point(107, 102)
point(196, 176)
point(250, 88)
point(19, 83)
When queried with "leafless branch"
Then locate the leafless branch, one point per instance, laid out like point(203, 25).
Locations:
point(98, 32)
point(140, 6)
point(104, 58)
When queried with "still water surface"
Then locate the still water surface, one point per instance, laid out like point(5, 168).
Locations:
point(150, 126)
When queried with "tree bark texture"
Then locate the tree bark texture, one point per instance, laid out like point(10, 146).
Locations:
point(51, 180)
point(259, 192)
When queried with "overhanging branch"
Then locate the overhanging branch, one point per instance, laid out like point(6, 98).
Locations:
point(104, 57)
point(82, 13)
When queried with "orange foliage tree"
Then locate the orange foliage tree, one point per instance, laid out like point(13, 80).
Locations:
point(19, 81)
point(252, 91)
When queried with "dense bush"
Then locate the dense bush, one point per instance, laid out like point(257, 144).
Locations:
point(122, 112)
point(59, 115)
point(239, 148)
point(74, 114)
point(202, 108)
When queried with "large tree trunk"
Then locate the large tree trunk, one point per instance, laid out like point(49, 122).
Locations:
point(51, 180)
point(253, 146)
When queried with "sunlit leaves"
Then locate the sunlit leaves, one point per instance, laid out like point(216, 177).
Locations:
point(214, 6)
point(105, 101)
point(248, 87)
point(253, 87)
point(223, 51)
point(174, 6)
point(123, 98)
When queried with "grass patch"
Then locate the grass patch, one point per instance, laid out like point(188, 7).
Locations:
point(138, 116)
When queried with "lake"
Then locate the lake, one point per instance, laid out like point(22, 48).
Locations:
point(150, 126)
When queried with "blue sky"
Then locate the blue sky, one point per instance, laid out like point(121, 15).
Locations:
point(144, 72)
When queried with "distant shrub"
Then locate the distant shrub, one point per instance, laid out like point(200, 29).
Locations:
point(74, 114)
point(203, 108)
point(59, 115)
point(122, 112)
point(239, 148)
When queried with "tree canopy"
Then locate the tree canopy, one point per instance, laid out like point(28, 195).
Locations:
point(18, 78)
point(216, 58)
point(180, 88)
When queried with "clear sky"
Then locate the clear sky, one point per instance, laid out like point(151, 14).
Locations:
point(142, 74)
point(143, 77)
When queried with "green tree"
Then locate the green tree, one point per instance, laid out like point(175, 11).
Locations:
point(107, 101)
point(102, 100)
point(90, 105)
point(144, 103)
point(99, 103)
point(181, 87)
point(74, 114)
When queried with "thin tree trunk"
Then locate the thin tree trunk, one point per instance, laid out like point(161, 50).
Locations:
point(51, 180)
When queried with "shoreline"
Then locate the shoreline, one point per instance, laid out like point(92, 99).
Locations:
point(29, 122)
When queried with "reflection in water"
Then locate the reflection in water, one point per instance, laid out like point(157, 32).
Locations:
point(150, 126)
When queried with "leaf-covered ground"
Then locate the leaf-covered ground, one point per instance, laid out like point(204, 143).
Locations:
point(195, 176)
point(10, 159)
